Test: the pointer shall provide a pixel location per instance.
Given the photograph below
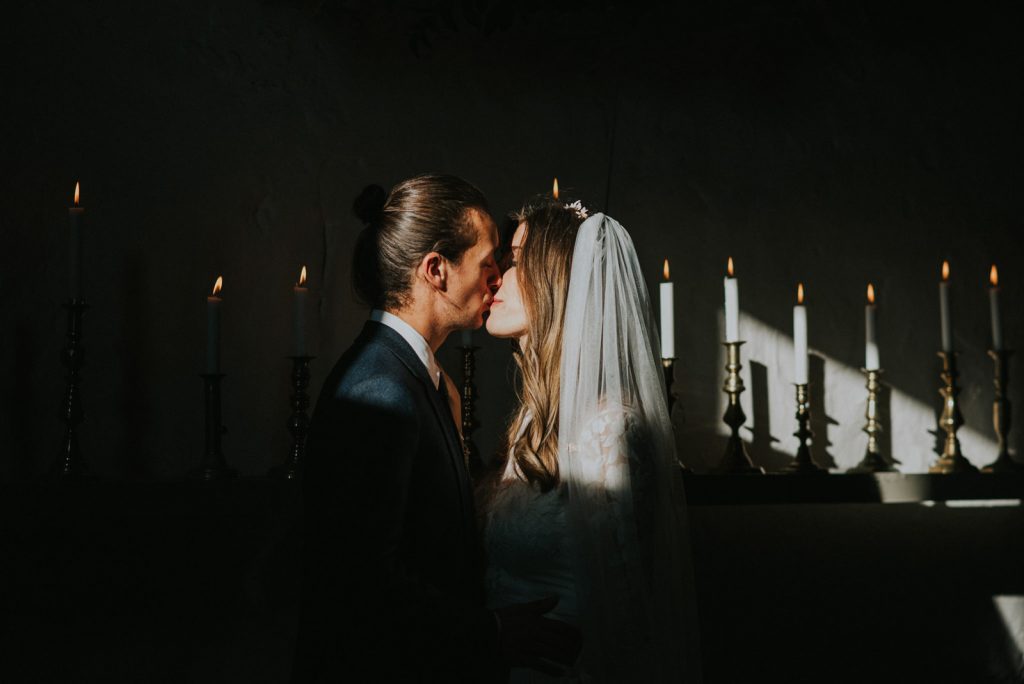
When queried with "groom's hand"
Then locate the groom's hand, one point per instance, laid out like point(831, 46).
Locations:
point(527, 638)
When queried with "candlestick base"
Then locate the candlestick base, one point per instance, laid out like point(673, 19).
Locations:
point(298, 422)
point(71, 464)
point(736, 460)
point(802, 463)
point(873, 461)
point(213, 467)
point(951, 460)
point(1001, 414)
point(1004, 463)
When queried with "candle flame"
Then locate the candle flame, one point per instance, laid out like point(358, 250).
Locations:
point(554, 188)
point(799, 293)
point(665, 269)
point(871, 293)
point(945, 270)
point(76, 193)
point(730, 269)
point(993, 276)
point(302, 277)
point(217, 286)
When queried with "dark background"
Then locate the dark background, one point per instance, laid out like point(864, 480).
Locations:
point(833, 145)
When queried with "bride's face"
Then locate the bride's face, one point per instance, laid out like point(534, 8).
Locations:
point(508, 317)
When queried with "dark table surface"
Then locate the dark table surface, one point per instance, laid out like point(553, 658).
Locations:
point(798, 580)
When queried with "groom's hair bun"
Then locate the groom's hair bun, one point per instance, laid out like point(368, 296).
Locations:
point(369, 204)
point(424, 214)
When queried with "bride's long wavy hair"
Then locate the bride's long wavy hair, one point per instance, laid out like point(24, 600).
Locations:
point(544, 264)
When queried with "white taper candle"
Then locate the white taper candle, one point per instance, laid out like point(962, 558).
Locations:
point(800, 369)
point(668, 323)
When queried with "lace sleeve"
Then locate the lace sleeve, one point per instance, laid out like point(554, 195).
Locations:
point(612, 495)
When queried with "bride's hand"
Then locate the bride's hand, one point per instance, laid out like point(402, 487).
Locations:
point(527, 638)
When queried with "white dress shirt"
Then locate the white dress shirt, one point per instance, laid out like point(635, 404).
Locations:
point(415, 340)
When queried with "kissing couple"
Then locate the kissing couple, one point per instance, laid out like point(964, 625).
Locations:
point(577, 568)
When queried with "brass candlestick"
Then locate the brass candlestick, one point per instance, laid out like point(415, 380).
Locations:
point(298, 422)
point(736, 459)
point(213, 467)
point(873, 461)
point(802, 463)
point(1001, 414)
point(469, 424)
point(71, 464)
point(951, 460)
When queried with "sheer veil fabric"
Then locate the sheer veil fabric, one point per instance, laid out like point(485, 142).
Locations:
point(626, 514)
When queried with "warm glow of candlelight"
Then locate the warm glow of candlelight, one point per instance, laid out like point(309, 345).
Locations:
point(729, 267)
point(554, 188)
point(665, 269)
point(993, 276)
point(945, 270)
point(76, 193)
point(218, 285)
point(302, 277)
point(799, 293)
point(871, 293)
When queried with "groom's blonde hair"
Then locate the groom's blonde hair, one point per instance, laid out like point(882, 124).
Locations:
point(545, 261)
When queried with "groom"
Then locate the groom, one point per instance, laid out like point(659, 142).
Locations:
point(392, 583)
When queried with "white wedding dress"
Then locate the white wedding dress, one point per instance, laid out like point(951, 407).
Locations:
point(528, 542)
point(611, 540)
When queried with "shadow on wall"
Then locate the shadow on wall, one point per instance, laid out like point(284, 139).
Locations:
point(820, 422)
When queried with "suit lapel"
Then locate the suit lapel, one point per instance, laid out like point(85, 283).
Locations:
point(400, 348)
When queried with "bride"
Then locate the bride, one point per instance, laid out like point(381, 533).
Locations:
point(588, 506)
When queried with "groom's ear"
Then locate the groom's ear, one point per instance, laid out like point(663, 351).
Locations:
point(434, 269)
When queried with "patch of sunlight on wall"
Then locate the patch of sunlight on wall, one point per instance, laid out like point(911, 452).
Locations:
point(909, 427)
point(1011, 610)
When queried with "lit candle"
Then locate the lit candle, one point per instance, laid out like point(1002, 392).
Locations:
point(870, 340)
point(732, 306)
point(213, 304)
point(993, 305)
point(299, 319)
point(800, 372)
point(75, 215)
point(554, 188)
point(944, 313)
point(668, 323)
point(467, 338)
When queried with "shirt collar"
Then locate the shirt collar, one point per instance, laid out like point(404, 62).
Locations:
point(415, 340)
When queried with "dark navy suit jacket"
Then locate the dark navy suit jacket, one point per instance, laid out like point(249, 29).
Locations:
point(393, 571)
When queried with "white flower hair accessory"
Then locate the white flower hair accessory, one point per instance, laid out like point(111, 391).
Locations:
point(578, 208)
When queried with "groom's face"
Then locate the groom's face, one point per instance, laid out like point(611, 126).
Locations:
point(472, 283)
point(508, 316)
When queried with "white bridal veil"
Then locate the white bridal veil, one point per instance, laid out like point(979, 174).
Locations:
point(627, 511)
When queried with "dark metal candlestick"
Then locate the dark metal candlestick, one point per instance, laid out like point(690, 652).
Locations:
point(951, 460)
point(802, 463)
point(1001, 414)
point(214, 466)
point(71, 463)
point(873, 461)
point(473, 461)
point(669, 367)
point(736, 459)
point(298, 422)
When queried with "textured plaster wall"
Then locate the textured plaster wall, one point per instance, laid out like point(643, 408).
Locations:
point(833, 147)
